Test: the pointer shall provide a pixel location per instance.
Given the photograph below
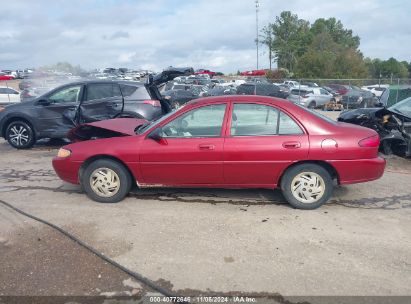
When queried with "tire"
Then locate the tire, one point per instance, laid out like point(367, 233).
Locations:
point(297, 199)
point(312, 105)
point(20, 135)
point(115, 174)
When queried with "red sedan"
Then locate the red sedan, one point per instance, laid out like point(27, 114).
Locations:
point(226, 142)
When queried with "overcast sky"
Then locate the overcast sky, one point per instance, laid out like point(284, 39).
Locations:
point(215, 34)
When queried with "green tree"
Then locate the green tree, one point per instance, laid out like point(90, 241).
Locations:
point(340, 35)
point(288, 37)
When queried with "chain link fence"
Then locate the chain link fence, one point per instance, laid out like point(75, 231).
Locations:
point(387, 91)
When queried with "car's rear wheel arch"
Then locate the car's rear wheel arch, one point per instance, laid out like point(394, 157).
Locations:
point(90, 160)
point(327, 166)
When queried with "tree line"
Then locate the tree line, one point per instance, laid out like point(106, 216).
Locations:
point(323, 49)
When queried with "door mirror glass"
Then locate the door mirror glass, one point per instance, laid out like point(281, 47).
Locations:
point(156, 134)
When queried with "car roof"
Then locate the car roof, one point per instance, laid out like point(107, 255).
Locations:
point(126, 82)
point(242, 98)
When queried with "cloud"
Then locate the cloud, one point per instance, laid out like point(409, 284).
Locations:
point(204, 33)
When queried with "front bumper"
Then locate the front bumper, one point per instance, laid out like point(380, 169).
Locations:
point(67, 169)
point(359, 170)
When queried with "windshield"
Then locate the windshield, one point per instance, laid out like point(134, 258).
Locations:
point(403, 107)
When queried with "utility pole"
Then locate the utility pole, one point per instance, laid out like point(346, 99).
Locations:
point(257, 5)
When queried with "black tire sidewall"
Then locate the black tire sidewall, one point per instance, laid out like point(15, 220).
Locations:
point(30, 130)
point(292, 172)
point(312, 105)
point(123, 174)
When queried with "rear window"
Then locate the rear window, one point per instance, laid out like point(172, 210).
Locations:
point(127, 90)
point(323, 117)
point(135, 92)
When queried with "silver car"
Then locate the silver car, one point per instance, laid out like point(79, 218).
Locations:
point(310, 97)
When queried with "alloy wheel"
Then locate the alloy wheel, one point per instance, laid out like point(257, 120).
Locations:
point(19, 135)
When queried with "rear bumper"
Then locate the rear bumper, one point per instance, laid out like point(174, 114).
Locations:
point(359, 170)
point(67, 170)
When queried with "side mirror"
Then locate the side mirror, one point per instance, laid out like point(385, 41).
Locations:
point(156, 135)
point(43, 102)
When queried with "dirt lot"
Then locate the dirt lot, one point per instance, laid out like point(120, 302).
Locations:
point(198, 241)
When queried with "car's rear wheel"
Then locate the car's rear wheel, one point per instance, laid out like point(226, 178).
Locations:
point(307, 186)
point(106, 181)
point(312, 105)
point(20, 135)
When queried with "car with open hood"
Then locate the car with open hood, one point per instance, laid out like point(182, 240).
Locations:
point(393, 124)
point(54, 113)
point(223, 142)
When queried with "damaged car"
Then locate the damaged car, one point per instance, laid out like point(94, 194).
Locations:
point(222, 142)
point(393, 124)
point(53, 114)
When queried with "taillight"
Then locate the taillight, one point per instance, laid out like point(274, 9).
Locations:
point(370, 142)
point(304, 96)
point(154, 103)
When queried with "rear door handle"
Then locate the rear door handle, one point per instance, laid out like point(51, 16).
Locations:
point(206, 147)
point(111, 105)
point(292, 144)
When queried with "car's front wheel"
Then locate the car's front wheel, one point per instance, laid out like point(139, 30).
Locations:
point(20, 135)
point(307, 186)
point(106, 181)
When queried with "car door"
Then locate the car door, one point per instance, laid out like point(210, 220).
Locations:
point(14, 96)
point(56, 113)
point(261, 142)
point(101, 101)
point(190, 151)
point(325, 97)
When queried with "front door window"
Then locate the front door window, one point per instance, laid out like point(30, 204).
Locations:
point(201, 122)
point(70, 94)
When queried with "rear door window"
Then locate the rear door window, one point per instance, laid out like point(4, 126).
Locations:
point(249, 119)
point(97, 91)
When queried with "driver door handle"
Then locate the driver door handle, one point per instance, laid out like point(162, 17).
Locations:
point(206, 147)
point(292, 144)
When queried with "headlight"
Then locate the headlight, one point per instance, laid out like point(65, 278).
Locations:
point(63, 153)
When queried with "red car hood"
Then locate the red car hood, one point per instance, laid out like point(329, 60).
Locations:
point(105, 129)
